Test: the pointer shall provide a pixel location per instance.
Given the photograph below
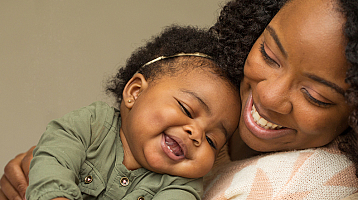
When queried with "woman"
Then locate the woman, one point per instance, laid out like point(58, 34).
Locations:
point(243, 36)
point(307, 47)
point(299, 72)
point(293, 94)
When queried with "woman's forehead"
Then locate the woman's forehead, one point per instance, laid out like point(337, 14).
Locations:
point(321, 17)
point(311, 32)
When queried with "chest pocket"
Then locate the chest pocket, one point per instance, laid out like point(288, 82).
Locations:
point(91, 181)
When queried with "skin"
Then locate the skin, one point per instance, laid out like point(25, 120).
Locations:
point(286, 86)
point(183, 108)
point(15, 179)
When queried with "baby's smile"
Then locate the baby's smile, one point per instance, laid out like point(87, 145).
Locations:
point(173, 147)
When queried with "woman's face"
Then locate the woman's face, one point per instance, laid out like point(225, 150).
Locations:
point(293, 88)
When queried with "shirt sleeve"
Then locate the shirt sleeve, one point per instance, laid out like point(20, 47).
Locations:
point(61, 151)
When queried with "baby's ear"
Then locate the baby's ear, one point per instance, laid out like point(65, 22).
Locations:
point(133, 88)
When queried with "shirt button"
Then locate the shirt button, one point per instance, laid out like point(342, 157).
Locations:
point(88, 179)
point(140, 198)
point(124, 181)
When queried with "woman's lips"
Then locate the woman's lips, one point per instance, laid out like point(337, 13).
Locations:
point(257, 130)
point(173, 147)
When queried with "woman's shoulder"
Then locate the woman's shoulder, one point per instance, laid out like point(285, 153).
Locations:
point(319, 173)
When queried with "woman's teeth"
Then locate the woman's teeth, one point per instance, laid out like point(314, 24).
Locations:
point(261, 121)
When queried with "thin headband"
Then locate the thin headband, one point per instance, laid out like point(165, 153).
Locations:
point(197, 54)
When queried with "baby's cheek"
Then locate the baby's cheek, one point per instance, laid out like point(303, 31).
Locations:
point(168, 114)
point(155, 118)
point(207, 163)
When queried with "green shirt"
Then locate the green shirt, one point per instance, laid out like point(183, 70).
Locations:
point(80, 157)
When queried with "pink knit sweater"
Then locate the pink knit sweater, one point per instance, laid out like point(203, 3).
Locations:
point(320, 173)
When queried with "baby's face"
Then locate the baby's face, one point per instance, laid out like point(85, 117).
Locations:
point(178, 124)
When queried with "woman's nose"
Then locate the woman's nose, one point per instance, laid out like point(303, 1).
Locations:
point(195, 133)
point(274, 94)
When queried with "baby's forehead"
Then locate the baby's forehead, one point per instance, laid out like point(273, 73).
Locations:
point(194, 74)
point(192, 63)
point(182, 66)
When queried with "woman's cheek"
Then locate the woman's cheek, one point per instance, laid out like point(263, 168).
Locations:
point(255, 68)
point(323, 125)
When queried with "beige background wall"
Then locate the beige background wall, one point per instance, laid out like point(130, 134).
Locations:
point(55, 56)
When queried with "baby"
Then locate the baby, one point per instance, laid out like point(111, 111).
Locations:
point(177, 108)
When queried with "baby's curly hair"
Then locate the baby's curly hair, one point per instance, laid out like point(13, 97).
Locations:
point(241, 22)
point(174, 39)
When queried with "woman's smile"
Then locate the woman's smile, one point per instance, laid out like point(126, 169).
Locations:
point(262, 121)
point(259, 126)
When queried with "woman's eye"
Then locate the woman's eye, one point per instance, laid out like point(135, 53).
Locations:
point(266, 57)
point(185, 110)
point(314, 100)
point(211, 143)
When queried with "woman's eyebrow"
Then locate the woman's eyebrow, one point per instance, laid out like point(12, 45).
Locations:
point(327, 83)
point(276, 39)
point(311, 76)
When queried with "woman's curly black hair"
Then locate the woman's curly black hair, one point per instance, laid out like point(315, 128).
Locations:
point(241, 22)
point(174, 39)
point(239, 25)
point(349, 144)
